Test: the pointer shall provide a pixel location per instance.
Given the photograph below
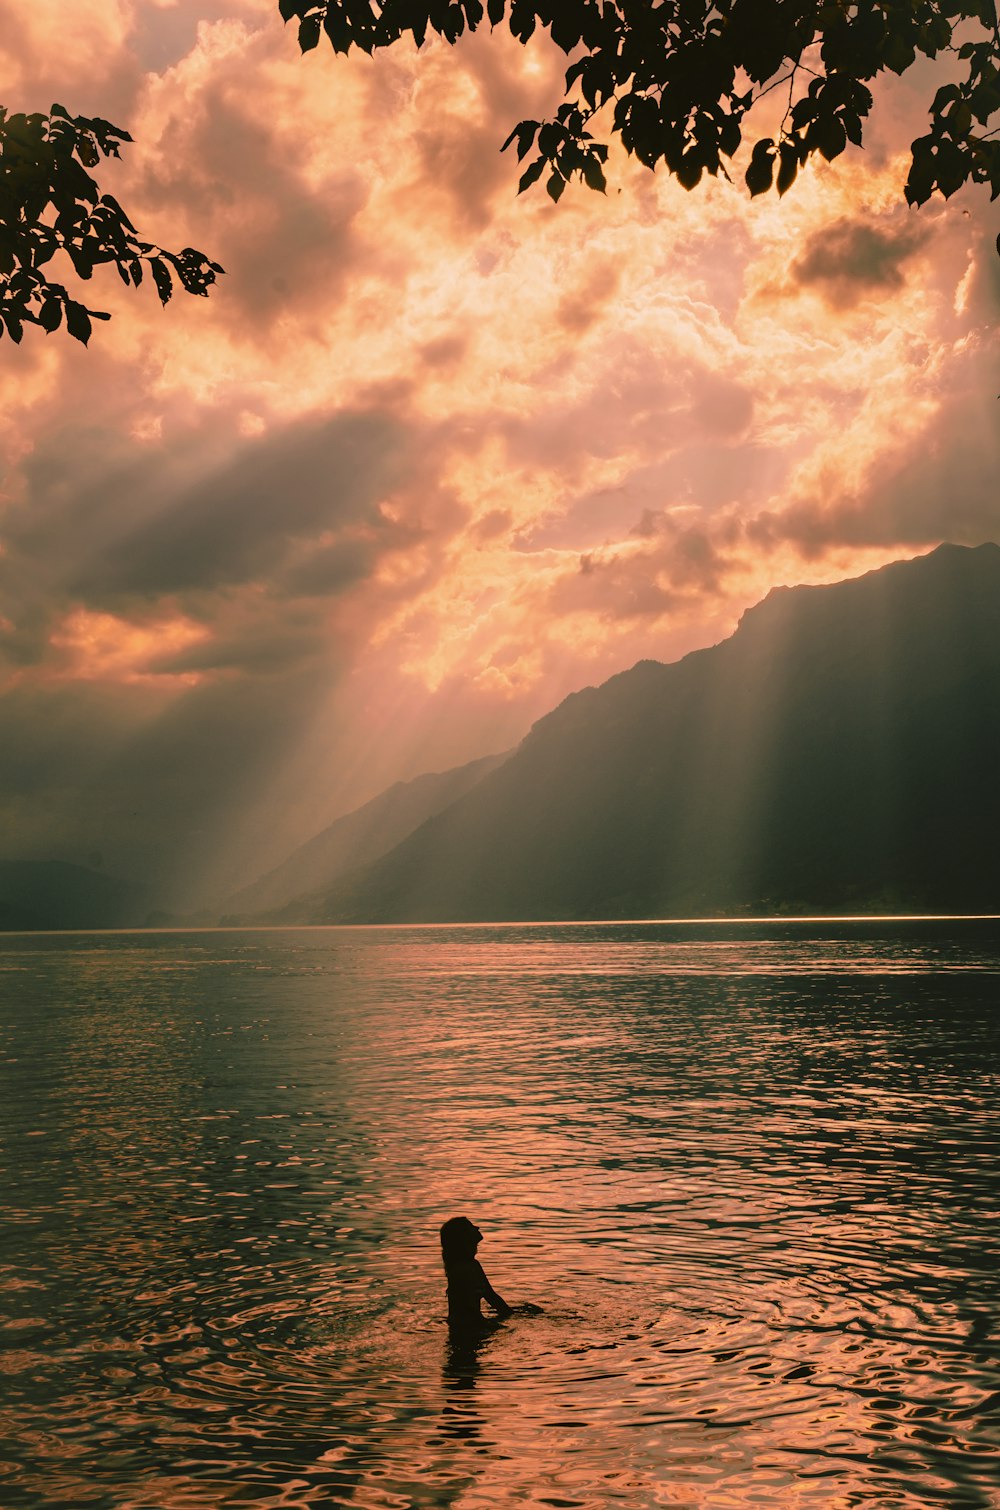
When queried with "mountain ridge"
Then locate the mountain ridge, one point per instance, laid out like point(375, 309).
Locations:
point(799, 764)
point(57, 894)
point(362, 835)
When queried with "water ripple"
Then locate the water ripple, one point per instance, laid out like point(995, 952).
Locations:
point(750, 1176)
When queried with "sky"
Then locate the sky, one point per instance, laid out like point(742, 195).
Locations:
point(432, 455)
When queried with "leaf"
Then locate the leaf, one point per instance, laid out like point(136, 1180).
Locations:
point(549, 139)
point(524, 134)
point(760, 173)
point(452, 24)
point(531, 175)
point(565, 27)
point(554, 187)
point(161, 277)
point(730, 135)
point(946, 95)
point(918, 187)
point(689, 169)
point(522, 21)
point(77, 321)
point(112, 204)
point(309, 31)
point(50, 315)
point(594, 175)
point(830, 136)
point(899, 55)
point(984, 101)
point(338, 30)
point(952, 168)
point(788, 167)
point(83, 262)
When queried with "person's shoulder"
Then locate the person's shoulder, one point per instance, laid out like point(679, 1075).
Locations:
point(463, 1266)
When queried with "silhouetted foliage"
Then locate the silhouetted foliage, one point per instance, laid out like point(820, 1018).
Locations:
point(674, 78)
point(678, 77)
point(49, 203)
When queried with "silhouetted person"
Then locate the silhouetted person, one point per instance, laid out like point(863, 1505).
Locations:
point(467, 1282)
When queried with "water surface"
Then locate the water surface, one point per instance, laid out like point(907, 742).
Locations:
point(750, 1172)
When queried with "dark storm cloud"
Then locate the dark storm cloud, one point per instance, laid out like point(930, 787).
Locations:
point(851, 259)
point(237, 524)
point(114, 523)
point(333, 568)
point(264, 644)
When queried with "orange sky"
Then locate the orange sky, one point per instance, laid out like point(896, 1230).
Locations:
point(433, 455)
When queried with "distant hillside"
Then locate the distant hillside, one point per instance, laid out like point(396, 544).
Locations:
point(839, 752)
point(356, 839)
point(53, 894)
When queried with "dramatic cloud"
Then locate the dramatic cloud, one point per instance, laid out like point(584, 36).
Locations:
point(432, 455)
point(854, 259)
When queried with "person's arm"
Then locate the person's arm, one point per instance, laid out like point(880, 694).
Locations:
point(490, 1295)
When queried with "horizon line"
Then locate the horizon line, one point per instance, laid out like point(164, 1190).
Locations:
point(858, 917)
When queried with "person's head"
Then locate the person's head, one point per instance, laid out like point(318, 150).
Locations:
point(459, 1239)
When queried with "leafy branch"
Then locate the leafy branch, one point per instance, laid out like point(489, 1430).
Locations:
point(50, 203)
point(680, 76)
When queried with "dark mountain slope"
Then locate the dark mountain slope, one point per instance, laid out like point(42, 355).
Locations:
point(357, 839)
point(841, 750)
point(55, 894)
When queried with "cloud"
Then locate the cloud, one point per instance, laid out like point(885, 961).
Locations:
point(940, 484)
point(37, 69)
point(854, 259)
point(227, 167)
point(237, 522)
point(580, 307)
point(106, 517)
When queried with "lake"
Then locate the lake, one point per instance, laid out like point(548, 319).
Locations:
point(750, 1171)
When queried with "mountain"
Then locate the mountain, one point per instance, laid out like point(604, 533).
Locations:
point(839, 752)
point(356, 839)
point(54, 894)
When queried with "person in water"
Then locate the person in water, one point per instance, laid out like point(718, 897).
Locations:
point(467, 1282)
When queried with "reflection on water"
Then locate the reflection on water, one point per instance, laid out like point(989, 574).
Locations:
point(751, 1173)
